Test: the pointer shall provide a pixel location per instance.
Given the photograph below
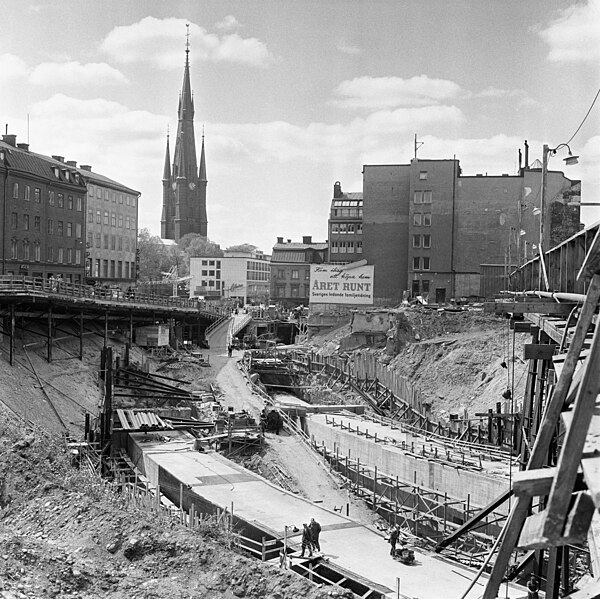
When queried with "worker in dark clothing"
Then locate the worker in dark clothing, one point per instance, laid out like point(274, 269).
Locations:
point(394, 535)
point(315, 530)
point(229, 350)
point(307, 542)
point(533, 586)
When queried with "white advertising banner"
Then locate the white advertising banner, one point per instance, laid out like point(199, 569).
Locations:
point(341, 284)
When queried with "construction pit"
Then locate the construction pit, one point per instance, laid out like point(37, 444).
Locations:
point(354, 469)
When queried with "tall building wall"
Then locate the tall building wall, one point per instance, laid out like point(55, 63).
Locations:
point(386, 189)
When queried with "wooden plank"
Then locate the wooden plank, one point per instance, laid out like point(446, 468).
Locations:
point(539, 351)
point(591, 263)
point(520, 327)
point(528, 307)
point(533, 483)
point(579, 519)
point(591, 591)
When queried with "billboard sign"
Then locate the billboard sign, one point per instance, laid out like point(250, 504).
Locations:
point(341, 284)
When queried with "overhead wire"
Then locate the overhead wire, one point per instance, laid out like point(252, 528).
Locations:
point(584, 118)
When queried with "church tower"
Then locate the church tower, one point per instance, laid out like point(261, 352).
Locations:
point(184, 185)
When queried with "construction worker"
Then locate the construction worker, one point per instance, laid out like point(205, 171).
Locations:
point(533, 586)
point(315, 530)
point(307, 542)
point(394, 535)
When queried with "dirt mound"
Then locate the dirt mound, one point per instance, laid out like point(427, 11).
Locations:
point(63, 533)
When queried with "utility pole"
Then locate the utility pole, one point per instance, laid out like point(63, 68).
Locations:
point(546, 151)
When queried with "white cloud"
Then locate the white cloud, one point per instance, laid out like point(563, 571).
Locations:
point(346, 48)
point(390, 92)
point(74, 73)
point(229, 23)
point(160, 42)
point(574, 36)
point(12, 67)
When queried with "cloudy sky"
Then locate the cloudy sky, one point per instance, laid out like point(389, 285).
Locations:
point(297, 94)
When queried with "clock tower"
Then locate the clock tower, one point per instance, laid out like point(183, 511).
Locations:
point(184, 183)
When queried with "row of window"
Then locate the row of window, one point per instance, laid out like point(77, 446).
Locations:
point(67, 175)
point(111, 242)
point(260, 266)
point(216, 263)
point(280, 290)
point(54, 198)
point(37, 193)
point(252, 275)
point(423, 197)
point(295, 274)
point(346, 247)
point(113, 269)
point(110, 195)
point(61, 230)
point(347, 212)
point(212, 273)
point(421, 241)
point(421, 263)
point(347, 203)
point(347, 228)
point(422, 219)
point(111, 219)
point(58, 255)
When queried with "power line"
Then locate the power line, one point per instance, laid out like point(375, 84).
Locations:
point(585, 117)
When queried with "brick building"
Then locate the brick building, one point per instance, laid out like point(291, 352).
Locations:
point(290, 270)
point(345, 226)
point(429, 230)
point(42, 216)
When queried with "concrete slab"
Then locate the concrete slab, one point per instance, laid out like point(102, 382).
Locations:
point(347, 544)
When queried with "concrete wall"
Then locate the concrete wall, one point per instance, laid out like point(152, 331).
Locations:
point(391, 461)
point(385, 227)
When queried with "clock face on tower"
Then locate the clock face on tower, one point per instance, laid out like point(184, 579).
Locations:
point(192, 185)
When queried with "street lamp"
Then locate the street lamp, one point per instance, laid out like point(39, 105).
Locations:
point(569, 160)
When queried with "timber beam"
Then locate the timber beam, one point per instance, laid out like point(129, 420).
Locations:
point(529, 307)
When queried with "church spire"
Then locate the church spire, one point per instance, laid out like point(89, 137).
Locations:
point(202, 172)
point(167, 167)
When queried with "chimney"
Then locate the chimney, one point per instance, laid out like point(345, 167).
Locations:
point(23, 147)
point(72, 163)
point(289, 241)
point(86, 167)
point(337, 190)
point(307, 239)
point(280, 240)
point(59, 158)
point(526, 165)
point(520, 159)
point(10, 139)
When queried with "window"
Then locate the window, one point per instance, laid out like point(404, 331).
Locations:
point(307, 275)
point(98, 217)
point(416, 263)
point(90, 240)
point(113, 220)
point(359, 247)
point(120, 198)
point(295, 274)
point(425, 283)
point(133, 201)
point(280, 290)
point(50, 229)
point(105, 268)
point(417, 219)
point(120, 221)
point(280, 273)
point(127, 227)
point(26, 222)
point(335, 227)
point(106, 195)
point(112, 268)
point(37, 251)
point(127, 200)
point(37, 223)
point(426, 241)
point(113, 196)
point(15, 194)
point(98, 193)
point(427, 197)
point(426, 263)
point(79, 205)
point(423, 176)
point(25, 250)
point(295, 290)
point(69, 229)
point(427, 220)
point(78, 230)
point(359, 228)
point(50, 253)
point(98, 240)
point(61, 200)
point(342, 248)
point(106, 241)
point(27, 196)
point(77, 256)
point(418, 197)
point(113, 242)
point(119, 269)
point(69, 255)
point(59, 227)
point(106, 217)
point(416, 241)
point(14, 249)
point(205, 273)
point(51, 198)
point(70, 202)
point(14, 220)
point(90, 215)
point(119, 243)
point(97, 267)
point(91, 190)
point(61, 255)
point(37, 195)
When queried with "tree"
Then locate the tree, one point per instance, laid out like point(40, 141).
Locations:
point(243, 247)
point(195, 245)
point(155, 256)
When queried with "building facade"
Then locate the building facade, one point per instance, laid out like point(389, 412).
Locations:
point(184, 183)
point(429, 230)
point(43, 214)
point(243, 277)
point(345, 226)
point(290, 270)
point(111, 230)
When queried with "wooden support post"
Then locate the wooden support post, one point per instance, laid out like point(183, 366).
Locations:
point(375, 490)
point(106, 328)
point(11, 339)
point(263, 550)
point(81, 335)
point(49, 355)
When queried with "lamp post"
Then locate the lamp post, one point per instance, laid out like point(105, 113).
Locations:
point(569, 160)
